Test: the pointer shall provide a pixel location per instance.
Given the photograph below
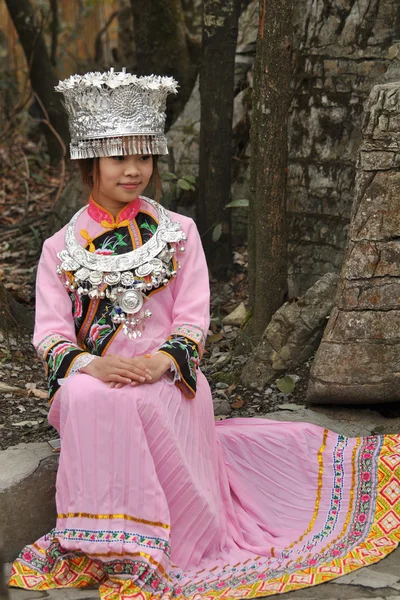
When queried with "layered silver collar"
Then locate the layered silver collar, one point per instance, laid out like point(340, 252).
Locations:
point(125, 277)
point(74, 256)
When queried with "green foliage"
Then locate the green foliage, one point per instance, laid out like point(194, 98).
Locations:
point(286, 384)
point(217, 232)
point(167, 176)
point(185, 183)
point(239, 203)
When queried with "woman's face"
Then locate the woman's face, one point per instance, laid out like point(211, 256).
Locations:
point(121, 179)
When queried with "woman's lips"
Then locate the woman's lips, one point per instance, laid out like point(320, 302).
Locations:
point(129, 186)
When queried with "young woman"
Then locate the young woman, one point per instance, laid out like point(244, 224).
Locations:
point(153, 498)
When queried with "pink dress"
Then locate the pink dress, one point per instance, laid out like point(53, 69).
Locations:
point(154, 499)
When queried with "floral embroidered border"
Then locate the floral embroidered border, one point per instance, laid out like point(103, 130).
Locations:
point(48, 342)
point(372, 532)
point(105, 536)
point(192, 332)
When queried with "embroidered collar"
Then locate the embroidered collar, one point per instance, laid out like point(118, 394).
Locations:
point(106, 219)
point(124, 279)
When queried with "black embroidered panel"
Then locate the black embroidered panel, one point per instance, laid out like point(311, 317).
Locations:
point(60, 356)
point(92, 317)
point(185, 354)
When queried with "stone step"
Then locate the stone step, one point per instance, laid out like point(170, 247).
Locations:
point(27, 495)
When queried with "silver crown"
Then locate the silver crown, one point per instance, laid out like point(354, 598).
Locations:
point(116, 113)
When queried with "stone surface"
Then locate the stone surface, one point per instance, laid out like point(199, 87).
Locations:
point(359, 357)
point(236, 317)
point(292, 335)
point(341, 49)
point(221, 406)
point(27, 505)
point(346, 421)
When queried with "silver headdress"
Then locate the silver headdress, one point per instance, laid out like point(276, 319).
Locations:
point(116, 113)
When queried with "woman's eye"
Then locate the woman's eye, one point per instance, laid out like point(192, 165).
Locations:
point(120, 158)
point(145, 157)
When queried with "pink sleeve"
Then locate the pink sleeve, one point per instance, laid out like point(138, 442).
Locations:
point(190, 313)
point(54, 337)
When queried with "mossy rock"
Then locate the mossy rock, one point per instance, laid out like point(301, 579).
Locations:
point(228, 377)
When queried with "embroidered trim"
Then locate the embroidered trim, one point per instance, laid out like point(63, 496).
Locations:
point(99, 214)
point(48, 342)
point(336, 499)
point(109, 536)
point(257, 576)
point(83, 515)
point(59, 359)
point(320, 459)
point(192, 332)
point(186, 359)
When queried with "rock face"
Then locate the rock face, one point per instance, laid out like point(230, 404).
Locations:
point(27, 495)
point(340, 50)
point(292, 335)
point(358, 360)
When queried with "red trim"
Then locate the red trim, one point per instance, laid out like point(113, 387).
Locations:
point(128, 212)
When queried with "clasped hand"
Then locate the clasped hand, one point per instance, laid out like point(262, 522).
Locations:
point(118, 371)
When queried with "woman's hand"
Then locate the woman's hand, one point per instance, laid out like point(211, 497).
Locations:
point(118, 370)
point(157, 364)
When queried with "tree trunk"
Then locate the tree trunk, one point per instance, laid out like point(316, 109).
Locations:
point(13, 315)
point(220, 29)
point(267, 211)
point(162, 46)
point(41, 72)
point(55, 26)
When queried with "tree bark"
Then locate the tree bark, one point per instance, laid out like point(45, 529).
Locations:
point(267, 210)
point(41, 72)
point(220, 30)
point(13, 315)
point(55, 25)
point(162, 47)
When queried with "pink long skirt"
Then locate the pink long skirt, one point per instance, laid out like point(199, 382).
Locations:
point(156, 500)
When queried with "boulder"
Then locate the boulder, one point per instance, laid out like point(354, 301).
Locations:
point(358, 360)
point(221, 406)
point(27, 495)
point(292, 335)
point(236, 317)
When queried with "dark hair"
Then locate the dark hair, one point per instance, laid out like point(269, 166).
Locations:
point(89, 168)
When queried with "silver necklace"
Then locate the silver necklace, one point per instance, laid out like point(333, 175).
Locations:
point(123, 278)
